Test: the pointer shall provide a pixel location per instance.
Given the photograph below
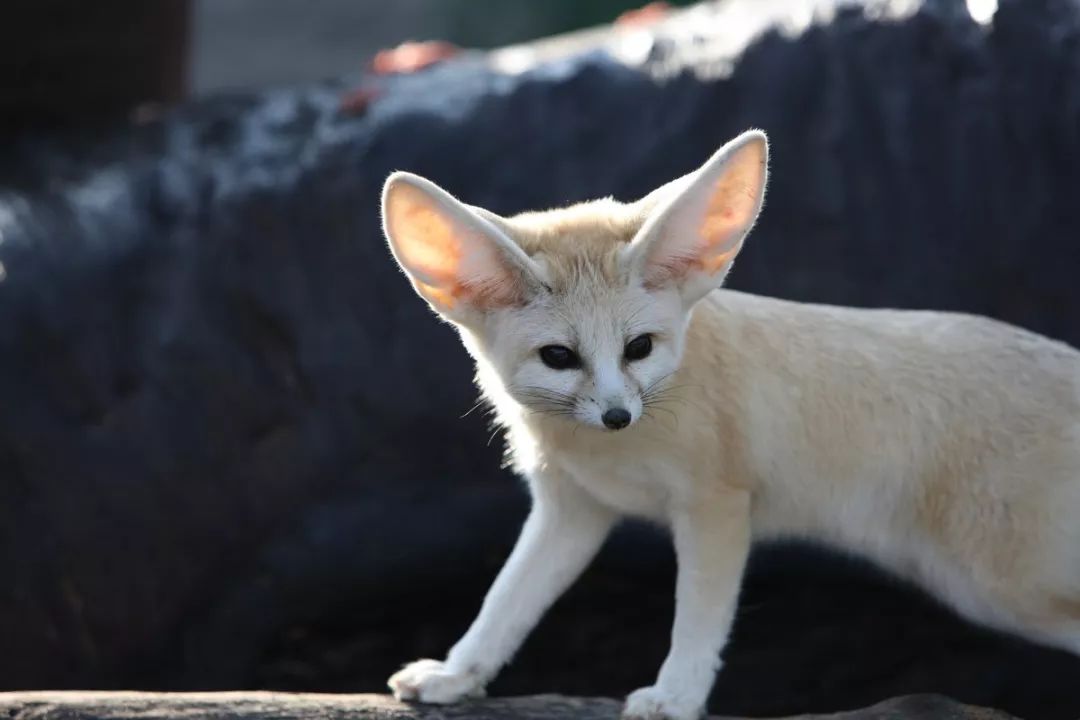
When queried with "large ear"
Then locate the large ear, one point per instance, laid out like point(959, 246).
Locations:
point(458, 261)
point(695, 225)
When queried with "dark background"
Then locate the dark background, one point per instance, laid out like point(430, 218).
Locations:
point(231, 445)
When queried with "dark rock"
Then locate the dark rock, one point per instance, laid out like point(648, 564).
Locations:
point(280, 706)
point(63, 63)
point(230, 445)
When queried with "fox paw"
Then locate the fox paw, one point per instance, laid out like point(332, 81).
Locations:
point(652, 703)
point(431, 681)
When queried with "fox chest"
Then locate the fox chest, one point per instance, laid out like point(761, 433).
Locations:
point(635, 485)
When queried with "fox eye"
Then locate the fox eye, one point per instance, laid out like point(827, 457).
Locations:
point(638, 348)
point(558, 357)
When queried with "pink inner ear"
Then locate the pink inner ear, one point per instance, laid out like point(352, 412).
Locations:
point(427, 242)
point(497, 285)
point(449, 262)
point(666, 265)
point(704, 230)
point(731, 207)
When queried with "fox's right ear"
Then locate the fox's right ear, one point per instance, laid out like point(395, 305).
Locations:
point(458, 261)
point(695, 225)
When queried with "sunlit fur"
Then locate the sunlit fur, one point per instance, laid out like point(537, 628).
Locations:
point(945, 447)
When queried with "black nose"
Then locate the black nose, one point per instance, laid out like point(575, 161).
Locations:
point(616, 418)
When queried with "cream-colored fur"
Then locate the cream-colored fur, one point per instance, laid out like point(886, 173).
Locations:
point(944, 447)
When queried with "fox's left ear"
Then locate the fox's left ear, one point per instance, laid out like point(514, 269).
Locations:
point(696, 224)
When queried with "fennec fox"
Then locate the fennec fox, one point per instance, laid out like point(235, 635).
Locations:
point(942, 446)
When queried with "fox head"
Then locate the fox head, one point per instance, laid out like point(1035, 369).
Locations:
point(581, 312)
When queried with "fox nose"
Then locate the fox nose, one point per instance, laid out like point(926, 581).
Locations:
point(616, 418)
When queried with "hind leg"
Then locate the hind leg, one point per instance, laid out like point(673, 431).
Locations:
point(1061, 628)
point(1030, 559)
point(1043, 603)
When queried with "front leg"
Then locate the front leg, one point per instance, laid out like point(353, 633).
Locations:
point(712, 541)
point(563, 532)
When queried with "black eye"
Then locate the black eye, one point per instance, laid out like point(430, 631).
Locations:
point(638, 348)
point(559, 357)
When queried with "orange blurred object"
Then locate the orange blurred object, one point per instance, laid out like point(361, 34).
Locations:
point(405, 58)
point(645, 15)
point(355, 102)
point(412, 56)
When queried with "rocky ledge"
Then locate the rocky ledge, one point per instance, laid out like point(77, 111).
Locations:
point(267, 705)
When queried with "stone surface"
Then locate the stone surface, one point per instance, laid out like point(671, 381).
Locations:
point(280, 706)
point(231, 444)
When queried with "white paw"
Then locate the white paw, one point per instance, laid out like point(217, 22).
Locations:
point(431, 681)
point(652, 703)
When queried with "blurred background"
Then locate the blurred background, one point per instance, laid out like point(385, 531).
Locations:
point(60, 60)
point(240, 43)
point(234, 446)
